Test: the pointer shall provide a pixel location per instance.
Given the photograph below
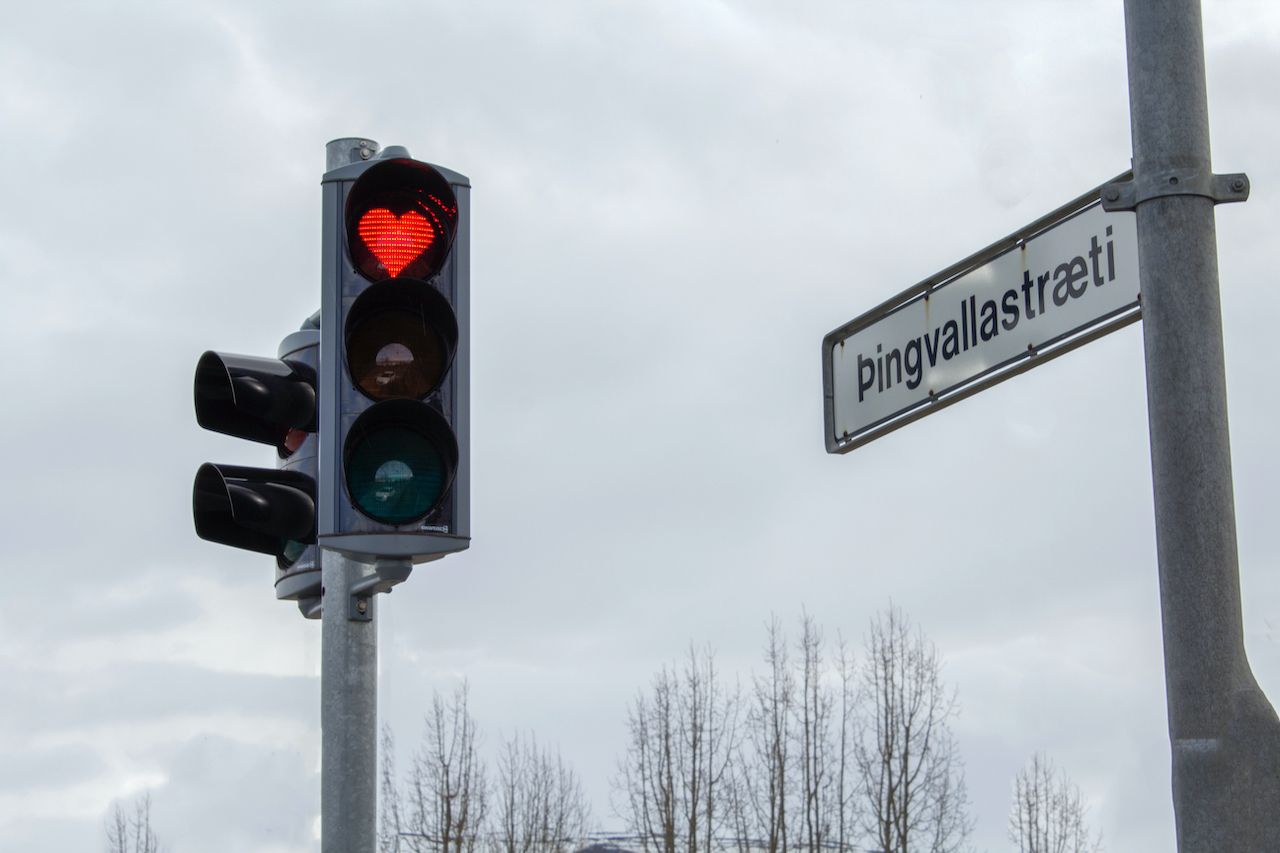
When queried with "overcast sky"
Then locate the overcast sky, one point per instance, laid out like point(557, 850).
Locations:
point(674, 200)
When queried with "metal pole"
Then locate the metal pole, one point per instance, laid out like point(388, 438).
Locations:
point(348, 714)
point(348, 673)
point(1224, 734)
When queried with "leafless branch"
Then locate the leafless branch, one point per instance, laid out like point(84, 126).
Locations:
point(1048, 814)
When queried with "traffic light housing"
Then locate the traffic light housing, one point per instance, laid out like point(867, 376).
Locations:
point(394, 363)
point(298, 569)
point(269, 511)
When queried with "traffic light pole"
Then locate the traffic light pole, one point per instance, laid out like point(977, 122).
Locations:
point(348, 674)
point(348, 713)
point(1224, 733)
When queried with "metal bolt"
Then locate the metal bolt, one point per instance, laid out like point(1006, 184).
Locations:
point(1113, 194)
point(1237, 185)
point(362, 605)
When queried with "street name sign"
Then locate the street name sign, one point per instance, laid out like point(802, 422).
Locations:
point(1066, 279)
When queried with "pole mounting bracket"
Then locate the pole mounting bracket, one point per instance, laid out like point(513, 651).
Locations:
point(385, 575)
point(1220, 189)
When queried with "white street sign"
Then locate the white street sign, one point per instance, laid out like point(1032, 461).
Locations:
point(1056, 284)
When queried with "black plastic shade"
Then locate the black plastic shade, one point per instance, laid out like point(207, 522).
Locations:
point(257, 509)
point(260, 399)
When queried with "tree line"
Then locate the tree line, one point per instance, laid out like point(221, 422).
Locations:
point(819, 750)
point(446, 801)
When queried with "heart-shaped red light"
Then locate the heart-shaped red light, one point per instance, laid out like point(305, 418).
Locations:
point(396, 241)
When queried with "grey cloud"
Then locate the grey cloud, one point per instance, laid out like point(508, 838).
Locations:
point(273, 794)
point(148, 693)
point(673, 203)
point(48, 767)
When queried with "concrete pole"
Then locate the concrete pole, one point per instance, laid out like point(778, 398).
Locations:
point(1224, 734)
point(348, 673)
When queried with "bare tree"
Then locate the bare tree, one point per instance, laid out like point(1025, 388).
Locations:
point(763, 793)
point(442, 807)
point(771, 717)
point(391, 819)
point(794, 783)
point(817, 742)
point(709, 714)
point(540, 804)
point(117, 831)
point(1048, 815)
point(738, 808)
point(911, 772)
point(646, 777)
point(831, 755)
point(132, 833)
point(673, 780)
point(844, 784)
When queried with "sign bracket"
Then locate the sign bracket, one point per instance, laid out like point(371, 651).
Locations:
point(1221, 189)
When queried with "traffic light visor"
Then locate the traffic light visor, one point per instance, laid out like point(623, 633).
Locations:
point(262, 399)
point(256, 509)
point(400, 220)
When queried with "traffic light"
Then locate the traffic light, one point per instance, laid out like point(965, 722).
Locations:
point(394, 367)
point(270, 511)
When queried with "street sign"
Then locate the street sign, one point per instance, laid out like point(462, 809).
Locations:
point(1060, 282)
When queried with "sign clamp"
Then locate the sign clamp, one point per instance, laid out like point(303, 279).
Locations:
point(1120, 195)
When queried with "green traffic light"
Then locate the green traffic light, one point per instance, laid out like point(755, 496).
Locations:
point(395, 475)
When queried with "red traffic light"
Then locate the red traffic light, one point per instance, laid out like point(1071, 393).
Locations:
point(400, 220)
point(395, 241)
